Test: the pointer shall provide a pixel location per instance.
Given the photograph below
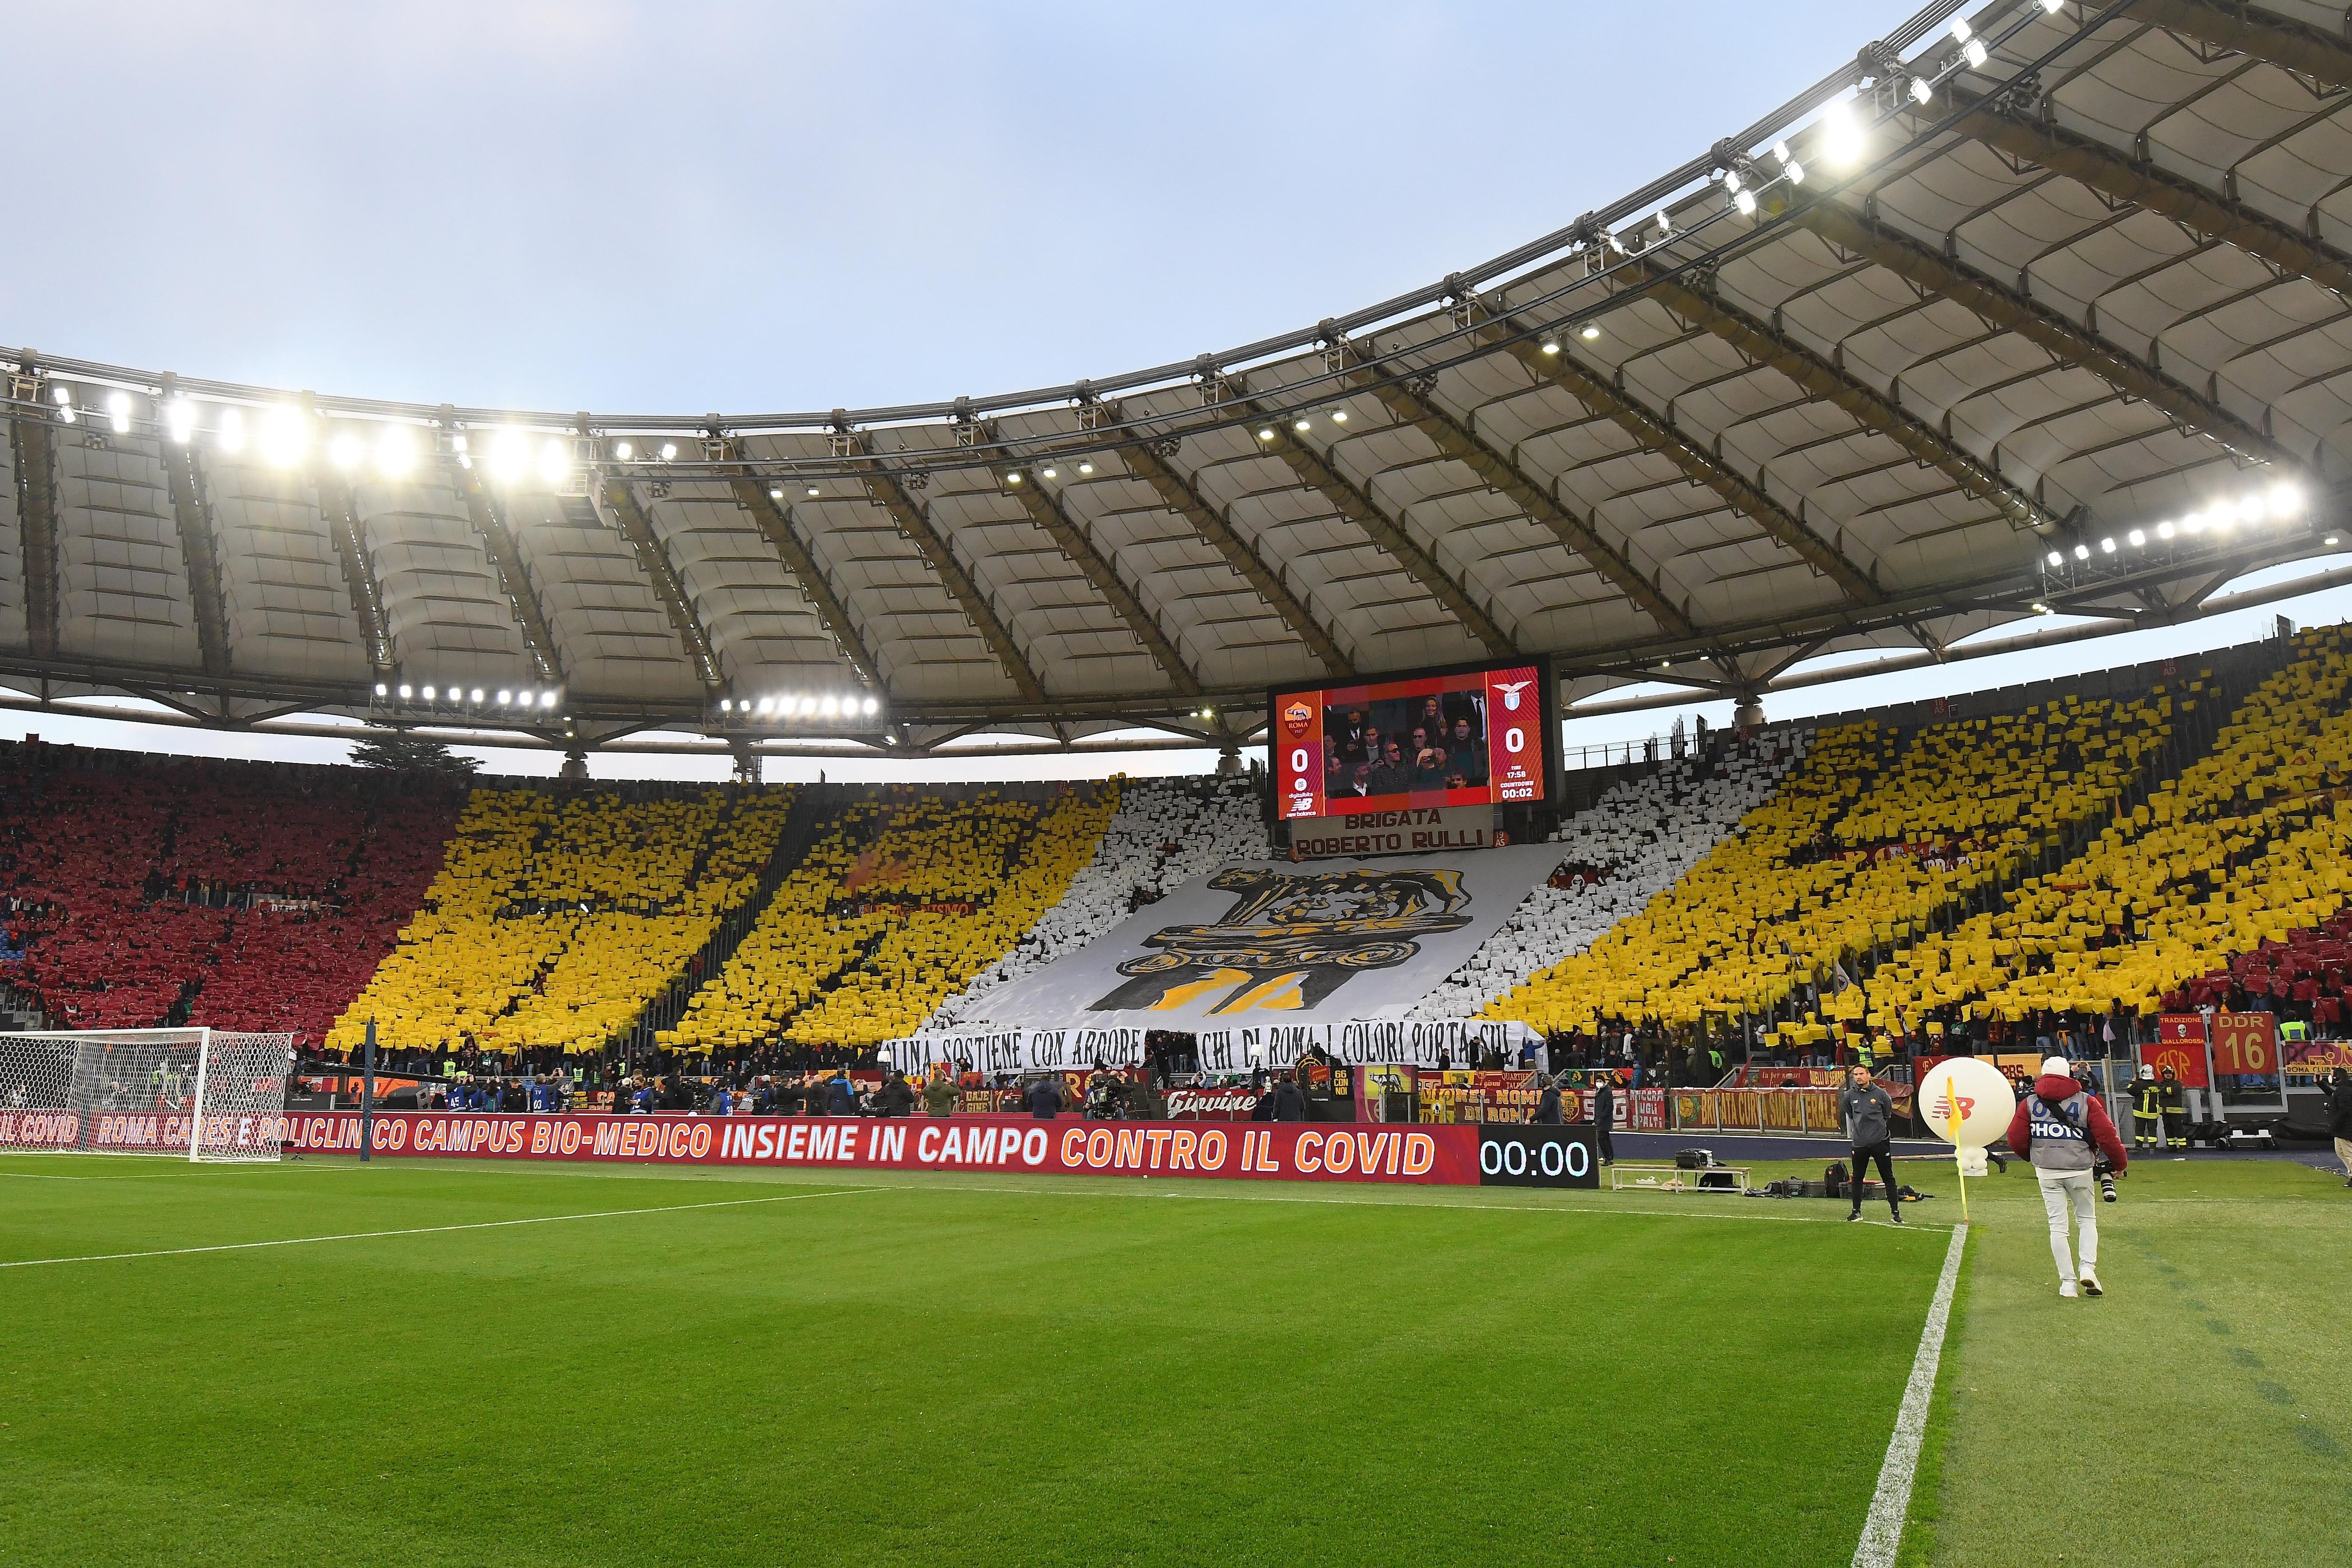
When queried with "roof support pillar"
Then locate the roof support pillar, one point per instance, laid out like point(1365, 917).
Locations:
point(37, 514)
point(1908, 260)
point(1182, 497)
point(773, 520)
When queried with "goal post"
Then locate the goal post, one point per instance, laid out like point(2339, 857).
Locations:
point(212, 1095)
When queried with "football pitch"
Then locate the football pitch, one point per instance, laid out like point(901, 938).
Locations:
point(439, 1364)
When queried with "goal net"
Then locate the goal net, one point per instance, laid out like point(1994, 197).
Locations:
point(207, 1094)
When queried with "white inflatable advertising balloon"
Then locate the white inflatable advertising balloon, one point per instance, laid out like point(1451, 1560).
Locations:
point(1966, 1102)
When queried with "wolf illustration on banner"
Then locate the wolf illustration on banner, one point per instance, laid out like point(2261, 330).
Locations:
point(1290, 941)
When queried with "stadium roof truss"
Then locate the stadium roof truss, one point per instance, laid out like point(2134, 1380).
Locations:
point(2067, 332)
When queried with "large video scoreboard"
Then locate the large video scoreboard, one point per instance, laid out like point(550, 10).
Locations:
point(1480, 735)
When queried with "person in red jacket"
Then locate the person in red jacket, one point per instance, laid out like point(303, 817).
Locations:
point(2063, 1128)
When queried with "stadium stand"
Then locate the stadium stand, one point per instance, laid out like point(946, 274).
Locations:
point(1166, 832)
point(556, 918)
point(2226, 885)
point(240, 895)
point(1876, 834)
point(1630, 844)
point(893, 910)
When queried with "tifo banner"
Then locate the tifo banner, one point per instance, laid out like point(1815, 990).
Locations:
point(1455, 1042)
point(1268, 941)
point(2245, 1044)
point(1017, 1050)
point(2315, 1055)
point(2179, 1048)
point(1463, 1156)
point(1452, 1042)
point(1479, 1096)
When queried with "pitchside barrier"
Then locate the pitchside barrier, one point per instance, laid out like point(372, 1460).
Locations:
point(1465, 1155)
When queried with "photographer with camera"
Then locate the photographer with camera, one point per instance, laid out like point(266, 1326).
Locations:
point(2063, 1130)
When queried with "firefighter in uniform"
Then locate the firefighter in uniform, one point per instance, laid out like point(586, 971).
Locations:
point(2148, 1109)
point(2176, 1110)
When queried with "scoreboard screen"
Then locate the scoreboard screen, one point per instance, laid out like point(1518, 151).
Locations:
point(1481, 736)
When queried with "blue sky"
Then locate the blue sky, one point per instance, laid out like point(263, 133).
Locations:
point(775, 207)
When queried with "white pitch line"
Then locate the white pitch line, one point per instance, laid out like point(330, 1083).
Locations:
point(435, 1229)
point(1881, 1532)
point(1173, 1194)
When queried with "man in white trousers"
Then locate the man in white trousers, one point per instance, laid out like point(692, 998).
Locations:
point(2062, 1128)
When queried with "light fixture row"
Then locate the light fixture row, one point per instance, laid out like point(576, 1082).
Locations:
point(801, 705)
point(473, 696)
point(2280, 503)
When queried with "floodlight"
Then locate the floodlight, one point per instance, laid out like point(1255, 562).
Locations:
point(2052, 6)
point(344, 451)
point(1338, 416)
point(509, 455)
point(1974, 52)
point(475, 695)
point(813, 493)
point(407, 692)
point(1841, 138)
point(2193, 523)
point(1796, 172)
point(2056, 559)
point(1588, 331)
point(727, 705)
point(2286, 501)
point(118, 412)
point(547, 700)
point(180, 420)
point(1550, 347)
point(830, 706)
point(2329, 542)
point(1266, 434)
point(1731, 181)
point(1922, 90)
point(1012, 478)
point(554, 461)
point(1083, 468)
point(1745, 202)
point(2137, 538)
point(2082, 552)
point(2108, 545)
point(1299, 425)
point(1781, 154)
point(767, 706)
point(506, 699)
point(283, 436)
point(379, 688)
point(624, 450)
point(1050, 473)
point(669, 451)
point(873, 706)
point(2164, 529)
point(775, 492)
point(395, 451)
point(428, 694)
point(1960, 29)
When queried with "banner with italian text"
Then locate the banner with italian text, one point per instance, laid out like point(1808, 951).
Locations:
point(1457, 1155)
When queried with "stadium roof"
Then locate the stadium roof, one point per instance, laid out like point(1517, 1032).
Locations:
point(2052, 316)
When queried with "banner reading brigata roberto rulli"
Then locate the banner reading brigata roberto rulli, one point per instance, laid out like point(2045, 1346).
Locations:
point(1490, 1154)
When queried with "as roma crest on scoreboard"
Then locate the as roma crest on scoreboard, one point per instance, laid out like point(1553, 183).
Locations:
point(1289, 940)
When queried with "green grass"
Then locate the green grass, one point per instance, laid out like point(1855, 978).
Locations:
point(1056, 1371)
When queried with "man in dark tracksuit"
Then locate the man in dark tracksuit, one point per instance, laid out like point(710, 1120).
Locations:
point(2148, 1109)
point(1867, 1113)
point(1604, 1115)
